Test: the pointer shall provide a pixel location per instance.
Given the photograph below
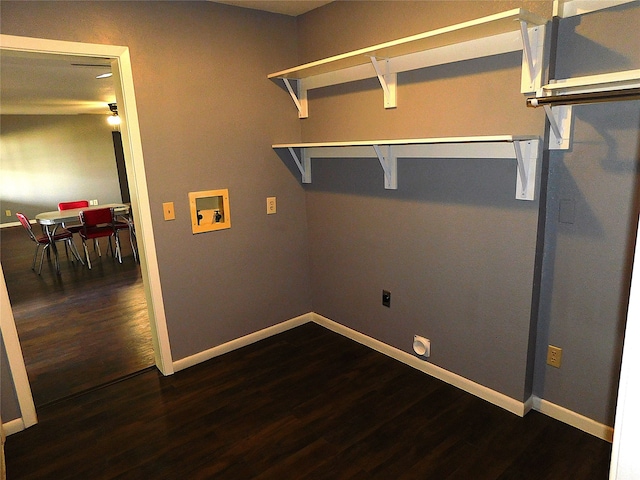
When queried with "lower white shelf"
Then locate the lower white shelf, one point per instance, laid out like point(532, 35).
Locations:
point(524, 149)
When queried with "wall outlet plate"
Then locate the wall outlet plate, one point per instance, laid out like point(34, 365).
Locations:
point(271, 205)
point(554, 356)
point(386, 298)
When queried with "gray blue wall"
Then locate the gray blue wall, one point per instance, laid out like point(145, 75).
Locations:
point(453, 245)
point(591, 222)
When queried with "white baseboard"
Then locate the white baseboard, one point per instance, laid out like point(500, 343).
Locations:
point(11, 224)
point(491, 396)
point(240, 342)
point(496, 398)
point(574, 419)
point(13, 426)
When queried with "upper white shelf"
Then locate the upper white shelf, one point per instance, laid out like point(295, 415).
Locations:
point(455, 141)
point(503, 32)
point(604, 82)
point(559, 96)
point(525, 149)
point(472, 30)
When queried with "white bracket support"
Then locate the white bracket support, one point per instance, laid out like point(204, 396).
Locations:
point(560, 119)
point(527, 155)
point(388, 82)
point(532, 56)
point(303, 164)
point(299, 96)
point(389, 165)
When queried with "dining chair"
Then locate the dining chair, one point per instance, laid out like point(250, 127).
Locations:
point(75, 226)
point(61, 235)
point(98, 223)
point(126, 222)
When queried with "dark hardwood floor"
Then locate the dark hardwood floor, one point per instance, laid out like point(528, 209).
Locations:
point(82, 328)
point(306, 403)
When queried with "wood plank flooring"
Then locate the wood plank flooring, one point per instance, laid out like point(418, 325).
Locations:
point(307, 403)
point(79, 329)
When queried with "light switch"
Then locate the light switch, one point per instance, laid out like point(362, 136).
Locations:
point(169, 212)
point(271, 205)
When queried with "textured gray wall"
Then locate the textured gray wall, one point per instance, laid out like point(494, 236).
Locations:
point(452, 244)
point(9, 409)
point(591, 223)
point(208, 116)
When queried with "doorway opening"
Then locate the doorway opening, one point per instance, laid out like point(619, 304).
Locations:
point(132, 149)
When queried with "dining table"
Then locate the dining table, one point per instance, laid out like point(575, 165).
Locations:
point(50, 221)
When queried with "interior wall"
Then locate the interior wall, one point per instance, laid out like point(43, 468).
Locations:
point(8, 402)
point(591, 223)
point(452, 244)
point(208, 116)
point(47, 159)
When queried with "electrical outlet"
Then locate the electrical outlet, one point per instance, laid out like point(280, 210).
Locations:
point(554, 356)
point(271, 205)
point(7, 213)
point(93, 202)
point(386, 298)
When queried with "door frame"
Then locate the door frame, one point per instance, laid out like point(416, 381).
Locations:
point(134, 161)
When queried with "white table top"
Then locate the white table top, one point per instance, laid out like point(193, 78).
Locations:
point(56, 217)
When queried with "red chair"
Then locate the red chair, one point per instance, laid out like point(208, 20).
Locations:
point(98, 223)
point(61, 235)
point(75, 227)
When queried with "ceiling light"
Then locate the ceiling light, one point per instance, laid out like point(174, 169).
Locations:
point(113, 119)
point(104, 75)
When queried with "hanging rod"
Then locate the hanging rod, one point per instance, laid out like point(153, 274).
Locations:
point(581, 98)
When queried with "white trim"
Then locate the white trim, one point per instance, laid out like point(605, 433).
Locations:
point(13, 426)
point(574, 419)
point(571, 8)
point(626, 441)
point(134, 160)
point(15, 358)
point(241, 342)
point(10, 224)
point(123, 83)
point(499, 399)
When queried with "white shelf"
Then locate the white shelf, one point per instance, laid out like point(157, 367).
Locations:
point(604, 82)
point(525, 149)
point(503, 32)
point(563, 93)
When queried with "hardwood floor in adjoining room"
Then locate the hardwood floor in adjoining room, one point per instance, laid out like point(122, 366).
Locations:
point(307, 403)
point(82, 328)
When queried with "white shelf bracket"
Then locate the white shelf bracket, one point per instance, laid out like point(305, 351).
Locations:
point(560, 119)
point(532, 56)
point(527, 153)
point(303, 164)
point(389, 165)
point(299, 96)
point(388, 82)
